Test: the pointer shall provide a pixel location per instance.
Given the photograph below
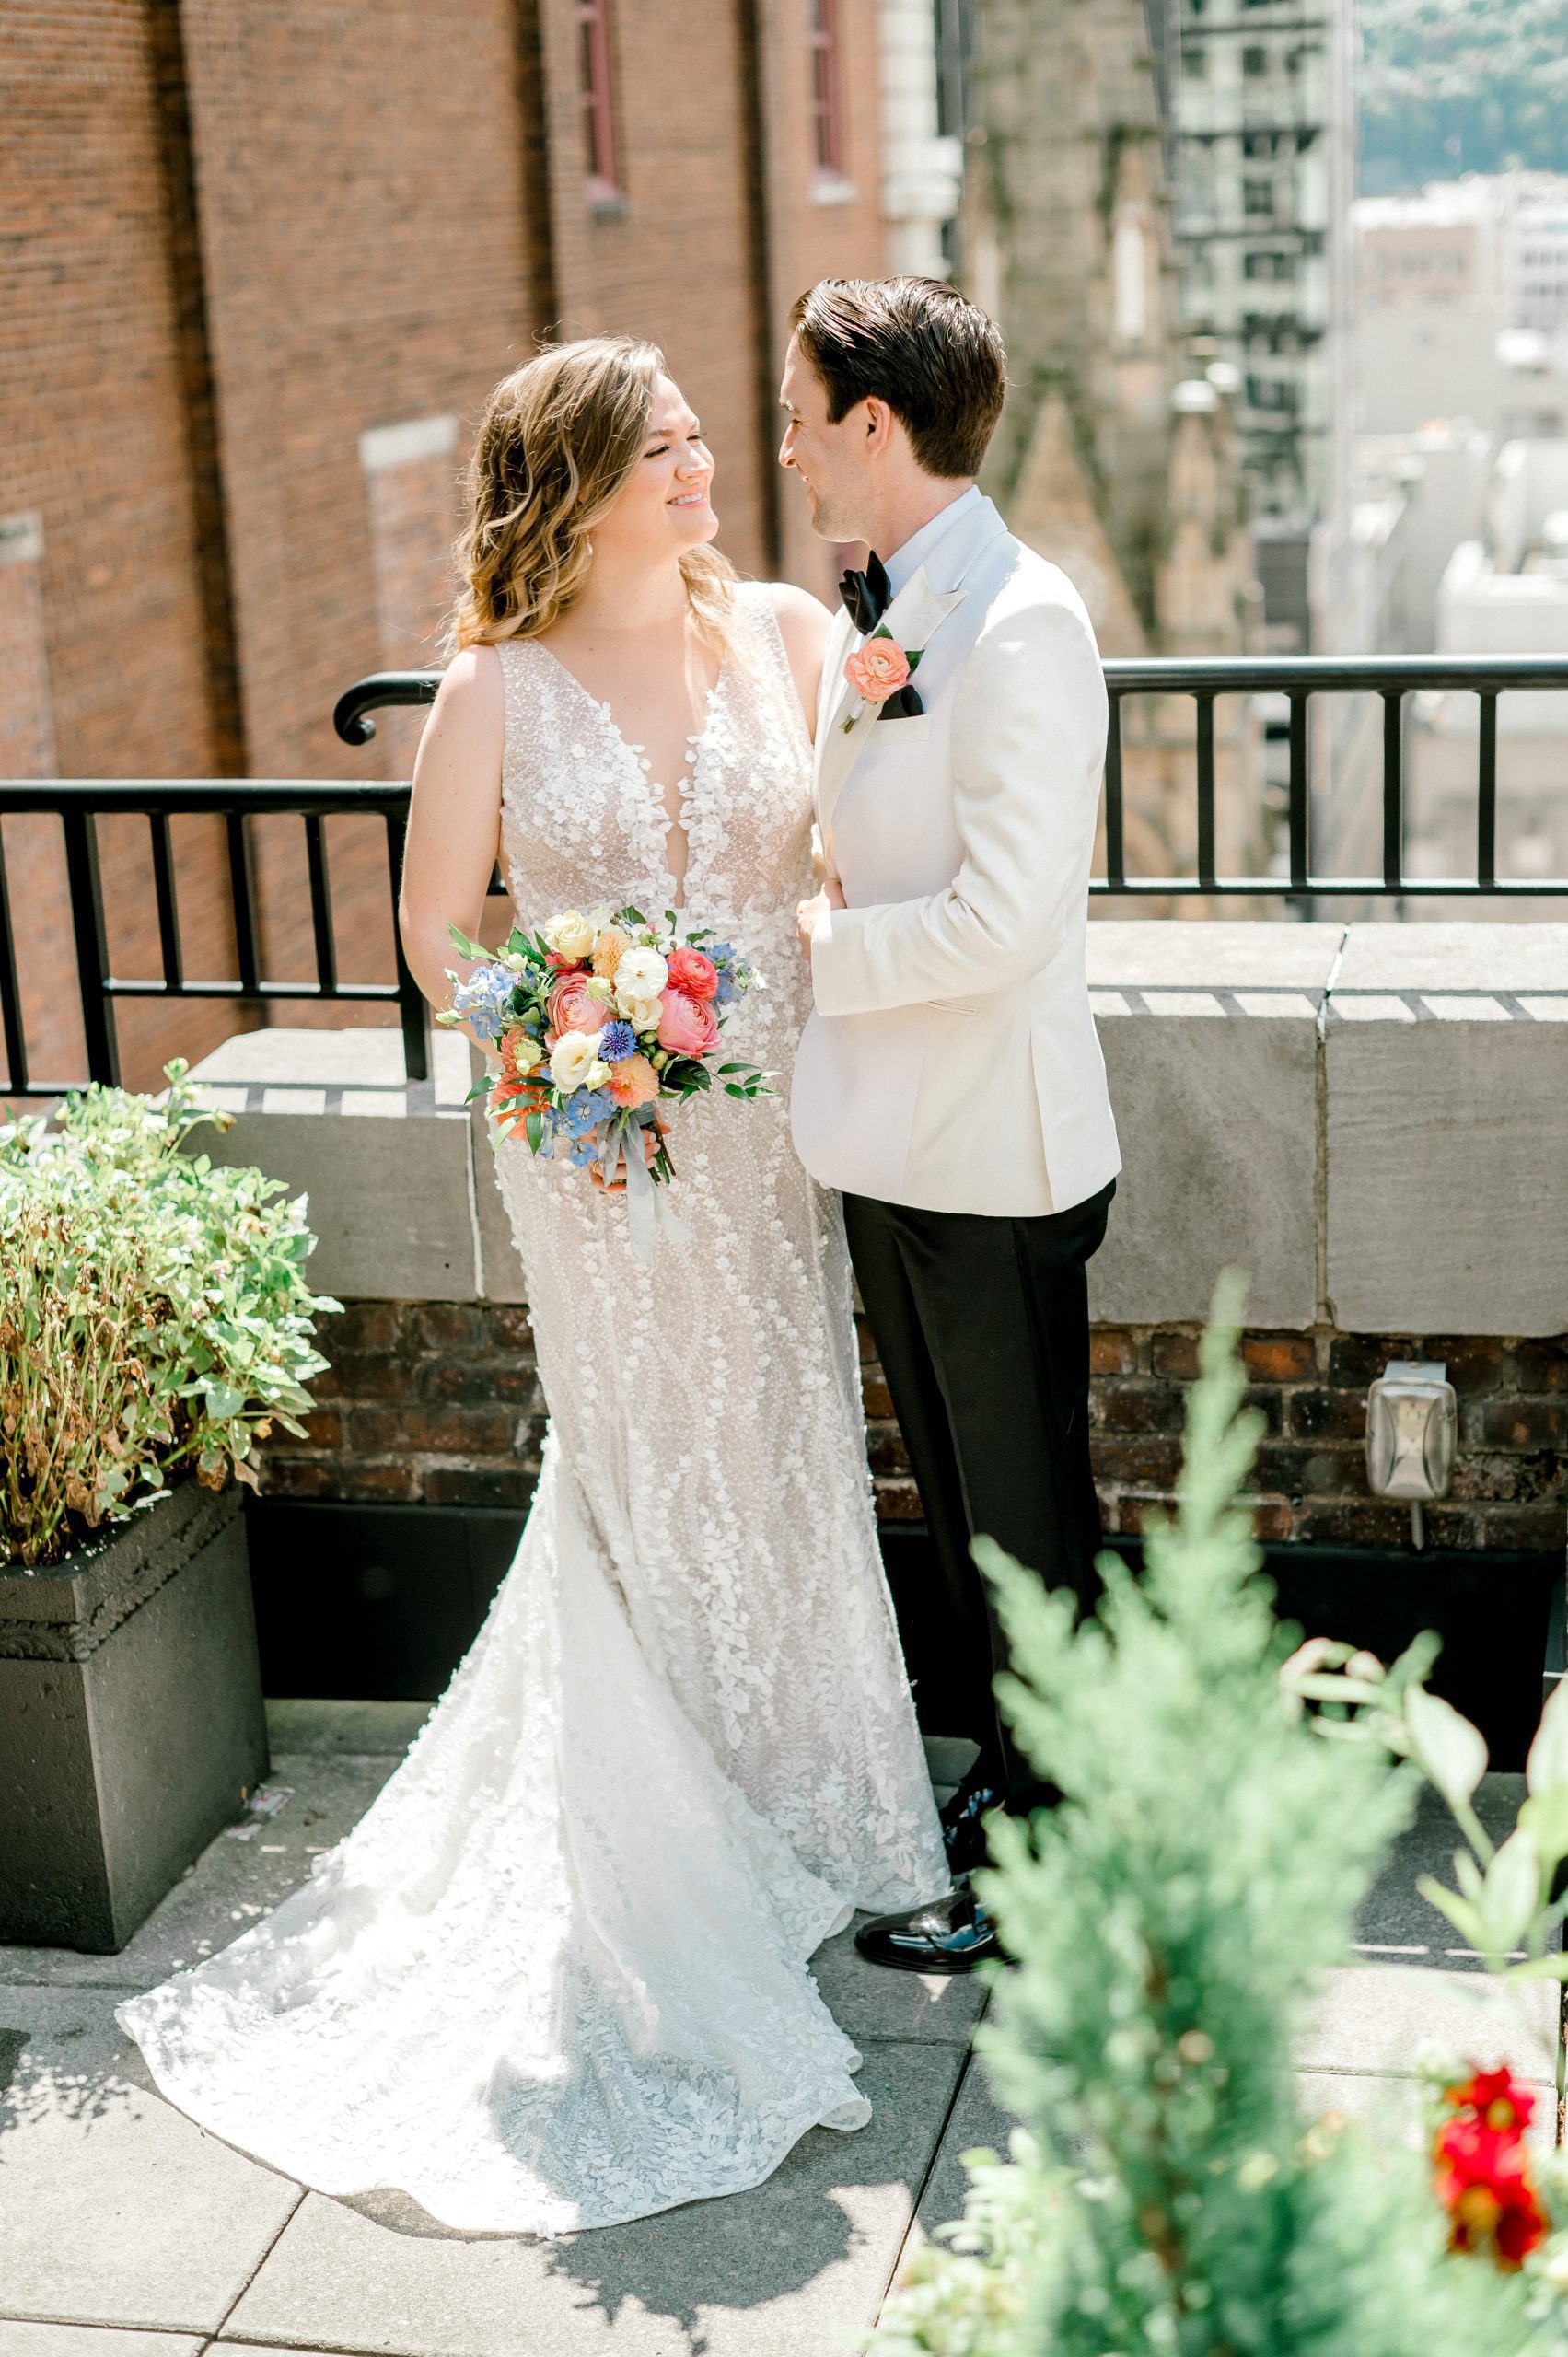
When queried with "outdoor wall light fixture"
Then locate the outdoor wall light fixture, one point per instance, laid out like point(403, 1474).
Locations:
point(1412, 1424)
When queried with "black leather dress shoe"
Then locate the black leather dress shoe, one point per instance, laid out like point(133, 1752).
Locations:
point(963, 1829)
point(947, 1935)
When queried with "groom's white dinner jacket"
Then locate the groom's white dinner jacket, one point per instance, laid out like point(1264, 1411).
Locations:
point(951, 1062)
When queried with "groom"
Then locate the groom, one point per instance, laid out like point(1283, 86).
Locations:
point(949, 1082)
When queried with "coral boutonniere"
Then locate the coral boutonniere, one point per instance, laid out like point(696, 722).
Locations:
point(879, 672)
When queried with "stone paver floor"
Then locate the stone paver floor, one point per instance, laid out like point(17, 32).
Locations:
point(127, 2231)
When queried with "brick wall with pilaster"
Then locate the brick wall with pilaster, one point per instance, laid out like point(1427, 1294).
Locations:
point(440, 1402)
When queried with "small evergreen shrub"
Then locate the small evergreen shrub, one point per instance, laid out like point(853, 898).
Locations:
point(1170, 1919)
point(153, 1314)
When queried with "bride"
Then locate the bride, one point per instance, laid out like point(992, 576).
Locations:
point(557, 1976)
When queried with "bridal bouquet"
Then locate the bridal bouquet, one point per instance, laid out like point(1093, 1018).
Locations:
point(598, 1019)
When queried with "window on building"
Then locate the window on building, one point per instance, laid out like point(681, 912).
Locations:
point(598, 107)
point(1130, 284)
point(1257, 197)
point(1254, 63)
point(1195, 63)
point(824, 39)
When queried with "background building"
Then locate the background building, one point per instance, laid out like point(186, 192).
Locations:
point(259, 264)
point(1116, 456)
point(1263, 146)
point(1461, 305)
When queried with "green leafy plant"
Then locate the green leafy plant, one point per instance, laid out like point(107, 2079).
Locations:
point(154, 1318)
point(1171, 1920)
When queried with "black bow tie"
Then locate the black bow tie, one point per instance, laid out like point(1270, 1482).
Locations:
point(866, 595)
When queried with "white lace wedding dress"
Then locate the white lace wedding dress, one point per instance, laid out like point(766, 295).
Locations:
point(557, 1976)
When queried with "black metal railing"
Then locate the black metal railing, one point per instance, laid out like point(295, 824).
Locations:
point(1298, 678)
point(79, 803)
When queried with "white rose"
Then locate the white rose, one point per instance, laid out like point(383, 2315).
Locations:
point(641, 1014)
point(598, 988)
point(642, 973)
point(572, 1059)
point(570, 934)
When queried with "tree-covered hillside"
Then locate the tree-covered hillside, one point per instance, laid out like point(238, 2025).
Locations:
point(1461, 86)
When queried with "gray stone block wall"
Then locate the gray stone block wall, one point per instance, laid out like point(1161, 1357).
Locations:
point(1372, 1122)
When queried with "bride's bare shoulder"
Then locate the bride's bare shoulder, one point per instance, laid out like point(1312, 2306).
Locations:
point(801, 617)
point(471, 682)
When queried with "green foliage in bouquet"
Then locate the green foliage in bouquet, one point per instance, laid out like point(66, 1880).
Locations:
point(154, 1317)
point(1170, 1919)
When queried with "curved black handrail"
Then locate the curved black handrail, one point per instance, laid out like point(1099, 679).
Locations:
point(351, 712)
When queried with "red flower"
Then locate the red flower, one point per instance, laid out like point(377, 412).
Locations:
point(691, 973)
point(1483, 2169)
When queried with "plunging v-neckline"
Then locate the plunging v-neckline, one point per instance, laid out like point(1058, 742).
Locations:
point(638, 755)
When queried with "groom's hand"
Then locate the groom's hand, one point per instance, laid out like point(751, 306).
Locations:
point(809, 913)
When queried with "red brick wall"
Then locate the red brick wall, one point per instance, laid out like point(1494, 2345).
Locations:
point(810, 240)
point(1309, 1481)
point(365, 264)
point(235, 236)
point(432, 1401)
point(441, 1402)
point(91, 432)
point(93, 442)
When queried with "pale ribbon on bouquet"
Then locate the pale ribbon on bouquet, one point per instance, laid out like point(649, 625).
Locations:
point(649, 1213)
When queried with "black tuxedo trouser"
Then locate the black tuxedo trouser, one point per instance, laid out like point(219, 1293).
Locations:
point(982, 1328)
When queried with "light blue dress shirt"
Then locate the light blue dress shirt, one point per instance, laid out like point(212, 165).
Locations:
point(904, 562)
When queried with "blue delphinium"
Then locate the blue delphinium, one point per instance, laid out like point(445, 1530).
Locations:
point(722, 956)
point(616, 1042)
point(486, 1000)
point(584, 1110)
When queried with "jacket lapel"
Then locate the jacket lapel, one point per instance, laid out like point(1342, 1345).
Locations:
point(914, 616)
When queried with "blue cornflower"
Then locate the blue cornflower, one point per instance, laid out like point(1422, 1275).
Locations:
point(617, 1041)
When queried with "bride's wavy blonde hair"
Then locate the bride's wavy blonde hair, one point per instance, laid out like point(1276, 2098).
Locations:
point(558, 441)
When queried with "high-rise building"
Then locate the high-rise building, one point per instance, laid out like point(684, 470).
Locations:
point(1263, 159)
point(1116, 456)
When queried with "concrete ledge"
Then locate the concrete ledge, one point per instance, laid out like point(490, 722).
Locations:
point(392, 1209)
point(1372, 1121)
point(1446, 1130)
point(1211, 1042)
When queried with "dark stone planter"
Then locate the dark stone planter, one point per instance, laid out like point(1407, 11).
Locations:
point(132, 1726)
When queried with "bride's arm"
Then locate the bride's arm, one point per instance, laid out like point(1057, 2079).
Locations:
point(454, 822)
point(804, 623)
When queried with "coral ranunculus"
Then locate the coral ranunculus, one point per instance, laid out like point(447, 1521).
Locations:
point(1482, 2174)
point(877, 671)
point(633, 1081)
point(688, 1026)
point(573, 1007)
point(691, 973)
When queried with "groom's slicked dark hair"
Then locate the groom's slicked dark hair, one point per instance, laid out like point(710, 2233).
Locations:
point(919, 345)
